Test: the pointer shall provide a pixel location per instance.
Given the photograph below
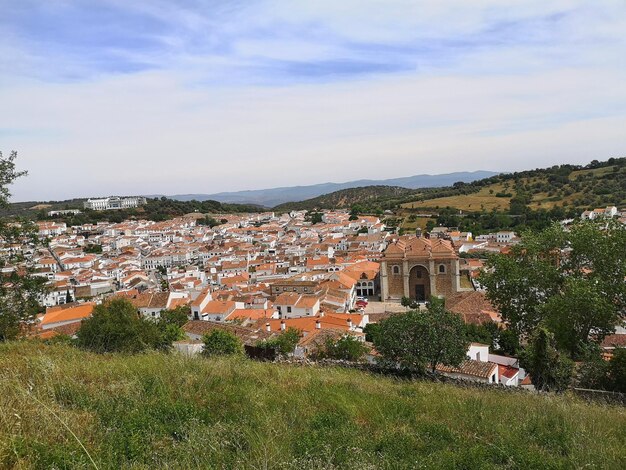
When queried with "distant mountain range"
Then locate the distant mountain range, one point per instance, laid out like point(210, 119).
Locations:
point(275, 196)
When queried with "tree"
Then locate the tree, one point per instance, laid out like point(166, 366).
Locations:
point(549, 369)
point(115, 326)
point(346, 348)
point(285, 343)
point(221, 343)
point(571, 282)
point(355, 210)
point(20, 291)
point(617, 371)
point(479, 334)
point(315, 217)
point(178, 316)
point(371, 330)
point(420, 340)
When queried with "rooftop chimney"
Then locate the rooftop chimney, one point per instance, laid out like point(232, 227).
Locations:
point(318, 324)
point(349, 322)
point(268, 327)
point(282, 325)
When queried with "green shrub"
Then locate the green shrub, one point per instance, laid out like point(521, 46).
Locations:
point(221, 343)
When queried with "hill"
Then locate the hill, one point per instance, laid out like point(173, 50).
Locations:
point(275, 196)
point(597, 184)
point(62, 407)
point(345, 198)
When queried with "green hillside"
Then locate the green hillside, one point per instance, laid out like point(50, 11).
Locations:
point(61, 408)
point(570, 186)
point(345, 198)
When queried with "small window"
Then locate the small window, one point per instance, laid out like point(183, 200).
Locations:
point(288, 309)
point(442, 269)
point(396, 269)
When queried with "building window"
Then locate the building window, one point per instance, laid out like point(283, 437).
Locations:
point(288, 309)
point(396, 269)
point(442, 269)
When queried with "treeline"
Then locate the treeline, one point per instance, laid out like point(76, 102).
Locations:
point(371, 198)
point(562, 292)
point(156, 209)
point(485, 222)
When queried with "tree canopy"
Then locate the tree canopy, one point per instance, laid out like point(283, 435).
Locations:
point(422, 340)
point(115, 326)
point(20, 292)
point(570, 281)
point(221, 343)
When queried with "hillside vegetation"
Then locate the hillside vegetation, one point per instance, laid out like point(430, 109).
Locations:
point(156, 209)
point(63, 408)
point(595, 185)
point(346, 198)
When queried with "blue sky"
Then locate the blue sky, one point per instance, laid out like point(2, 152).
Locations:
point(142, 97)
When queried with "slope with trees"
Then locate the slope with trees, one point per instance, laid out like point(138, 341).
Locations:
point(20, 291)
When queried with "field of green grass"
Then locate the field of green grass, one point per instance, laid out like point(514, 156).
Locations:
point(63, 408)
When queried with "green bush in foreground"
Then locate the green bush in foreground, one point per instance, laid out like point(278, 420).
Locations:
point(157, 410)
point(221, 343)
point(115, 326)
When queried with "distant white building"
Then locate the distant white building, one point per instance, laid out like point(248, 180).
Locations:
point(609, 211)
point(114, 202)
point(63, 212)
point(505, 237)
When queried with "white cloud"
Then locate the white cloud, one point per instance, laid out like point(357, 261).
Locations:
point(499, 86)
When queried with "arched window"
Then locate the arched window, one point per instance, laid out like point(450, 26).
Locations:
point(442, 269)
point(396, 269)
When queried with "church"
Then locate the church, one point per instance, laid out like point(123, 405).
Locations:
point(419, 268)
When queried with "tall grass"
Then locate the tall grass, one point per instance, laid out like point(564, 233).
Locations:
point(61, 408)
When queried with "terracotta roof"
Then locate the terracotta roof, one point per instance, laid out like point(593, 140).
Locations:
point(507, 371)
point(472, 368)
point(215, 307)
point(147, 299)
point(74, 313)
point(249, 336)
point(251, 313)
point(614, 341)
point(473, 307)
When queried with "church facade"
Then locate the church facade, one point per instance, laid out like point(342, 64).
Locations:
point(418, 268)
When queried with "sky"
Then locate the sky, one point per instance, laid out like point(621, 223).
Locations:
point(103, 97)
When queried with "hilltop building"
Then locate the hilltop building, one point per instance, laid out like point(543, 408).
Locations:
point(114, 202)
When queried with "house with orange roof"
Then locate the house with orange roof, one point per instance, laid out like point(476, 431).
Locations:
point(338, 321)
point(59, 316)
point(218, 310)
point(249, 315)
point(198, 304)
point(293, 305)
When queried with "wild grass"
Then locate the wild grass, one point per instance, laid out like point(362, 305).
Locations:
point(61, 408)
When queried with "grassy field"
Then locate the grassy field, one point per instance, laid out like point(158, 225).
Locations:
point(62, 408)
point(483, 199)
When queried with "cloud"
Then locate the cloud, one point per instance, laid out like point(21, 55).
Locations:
point(177, 97)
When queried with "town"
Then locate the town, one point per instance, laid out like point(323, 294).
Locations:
point(257, 275)
point(296, 235)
